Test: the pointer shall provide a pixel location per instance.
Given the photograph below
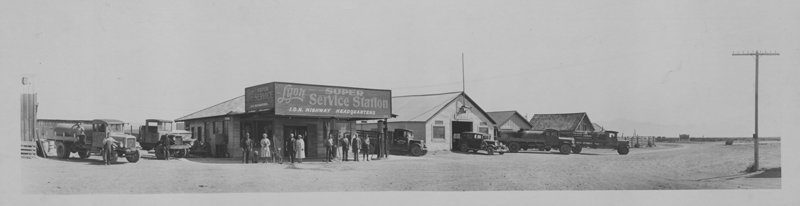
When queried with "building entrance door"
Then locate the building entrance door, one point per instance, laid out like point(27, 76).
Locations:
point(458, 128)
point(296, 130)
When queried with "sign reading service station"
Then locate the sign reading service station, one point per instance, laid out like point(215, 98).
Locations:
point(317, 100)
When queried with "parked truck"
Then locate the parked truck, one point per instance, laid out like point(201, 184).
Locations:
point(152, 133)
point(541, 140)
point(67, 142)
point(402, 141)
point(607, 139)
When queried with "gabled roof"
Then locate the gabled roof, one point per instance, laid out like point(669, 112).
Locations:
point(232, 106)
point(421, 108)
point(561, 122)
point(597, 127)
point(503, 116)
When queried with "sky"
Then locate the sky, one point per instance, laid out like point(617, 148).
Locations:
point(657, 62)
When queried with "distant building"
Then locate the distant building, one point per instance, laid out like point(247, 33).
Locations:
point(575, 123)
point(684, 137)
point(510, 121)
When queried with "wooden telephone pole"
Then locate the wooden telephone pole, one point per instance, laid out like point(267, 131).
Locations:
point(757, 55)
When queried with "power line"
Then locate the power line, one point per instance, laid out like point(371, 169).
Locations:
point(757, 56)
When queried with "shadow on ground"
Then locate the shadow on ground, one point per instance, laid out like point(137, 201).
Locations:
point(769, 173)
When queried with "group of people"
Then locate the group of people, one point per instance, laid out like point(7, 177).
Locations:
point(296, 148)
point(337, 147)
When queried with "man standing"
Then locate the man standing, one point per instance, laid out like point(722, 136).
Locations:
point(290, 147)
point(108, 147)
point(328, 144)
point(356, 147)
point(345, 145)
point(247, 148)
point(366, 146)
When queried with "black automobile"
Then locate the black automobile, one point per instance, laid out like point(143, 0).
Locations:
point(475, 141)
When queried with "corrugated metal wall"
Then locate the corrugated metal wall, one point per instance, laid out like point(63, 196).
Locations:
point(28, 117)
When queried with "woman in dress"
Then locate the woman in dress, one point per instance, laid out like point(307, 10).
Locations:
point(300, 149)
point(265, 153)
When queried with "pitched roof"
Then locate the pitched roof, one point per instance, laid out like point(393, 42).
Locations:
point(232, 106)
point(597, 127)
point(561, 122)
point(421, 108)
point(503, 116)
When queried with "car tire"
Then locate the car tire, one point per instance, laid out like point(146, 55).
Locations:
point(513, 147)
point(464, 147)
point(180, 153)
point(541, 148)
point(416, 150)
point(133, 157)
point(565, 149)
point(84, 154)
point(61, 150)
point(623, 150)
point(159, 150)
point(577, 150)
point(489, 150)
point(501, 153)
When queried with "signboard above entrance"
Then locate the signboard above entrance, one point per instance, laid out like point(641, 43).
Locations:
point(319, 101)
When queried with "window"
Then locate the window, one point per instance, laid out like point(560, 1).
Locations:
point(214, 127)
point(484, 130)
point(438, 132)
point(439, 122)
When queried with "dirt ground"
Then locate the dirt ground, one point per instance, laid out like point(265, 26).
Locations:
point(670, 166)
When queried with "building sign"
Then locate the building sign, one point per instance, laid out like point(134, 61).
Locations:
point(259, 98)
point(316, 100)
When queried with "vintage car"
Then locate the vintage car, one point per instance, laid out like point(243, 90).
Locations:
point(479, 141)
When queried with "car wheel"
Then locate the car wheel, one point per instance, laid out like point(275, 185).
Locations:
point(416, 150)
point(547, 149)
point(502, 153)
point(84, 154)
point(513, 147)
point(464, 147)
point(577, 150)
point(61, 150)
point(133, 158)
point(490, 150)
point(565, 149)
point(180, 153)
point(541, 148)
point(623, 150)
point(159, 152)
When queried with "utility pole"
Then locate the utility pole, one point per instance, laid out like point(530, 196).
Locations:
point(757, 55)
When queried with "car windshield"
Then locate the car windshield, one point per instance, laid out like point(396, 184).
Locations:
point(115, 127)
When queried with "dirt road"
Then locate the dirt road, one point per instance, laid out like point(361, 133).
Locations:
point(670, 166)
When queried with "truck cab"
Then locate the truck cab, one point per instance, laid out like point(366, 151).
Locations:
point(126, 144)
point(154, 130)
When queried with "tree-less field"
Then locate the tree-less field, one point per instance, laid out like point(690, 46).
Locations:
point(710, 165)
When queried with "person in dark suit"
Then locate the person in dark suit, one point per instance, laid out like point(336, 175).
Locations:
point(328, 144)
point(247, 148)
point(365, 146)
point(356, 147)
point(345, 144)
point(290, 147)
